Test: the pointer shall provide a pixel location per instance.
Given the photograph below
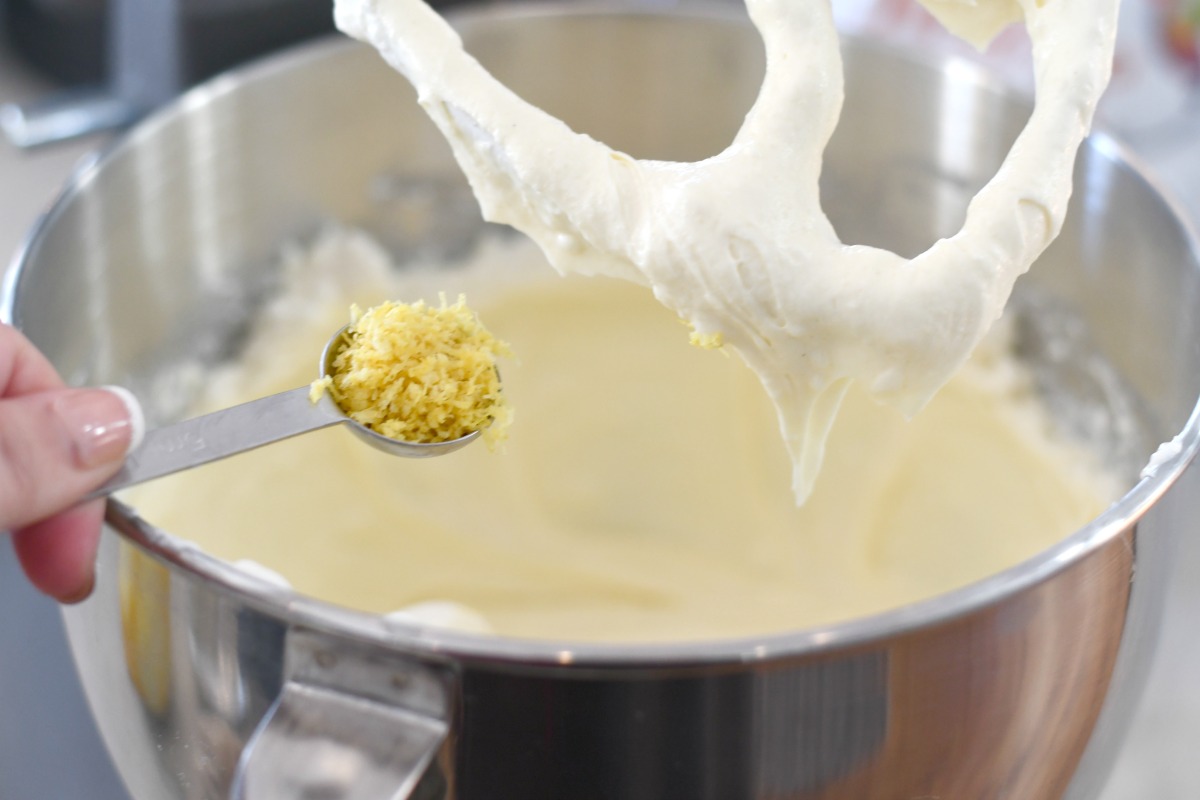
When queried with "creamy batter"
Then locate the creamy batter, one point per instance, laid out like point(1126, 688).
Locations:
point(738, 244)
point(643, 494)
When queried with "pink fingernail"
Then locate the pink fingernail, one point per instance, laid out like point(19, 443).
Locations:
point(104, 425)
point(80, 594)
point(137, 418)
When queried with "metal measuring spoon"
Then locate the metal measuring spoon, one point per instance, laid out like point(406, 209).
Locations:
point(250, 425)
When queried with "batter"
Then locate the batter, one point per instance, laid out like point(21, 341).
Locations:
point(643, 494)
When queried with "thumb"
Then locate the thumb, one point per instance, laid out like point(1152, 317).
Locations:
point(56, 446)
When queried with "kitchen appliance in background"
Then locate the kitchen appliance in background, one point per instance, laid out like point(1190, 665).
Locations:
point(68, 39)
point(123, 58)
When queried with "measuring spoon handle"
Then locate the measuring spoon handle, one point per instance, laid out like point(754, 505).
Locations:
point(221, 434)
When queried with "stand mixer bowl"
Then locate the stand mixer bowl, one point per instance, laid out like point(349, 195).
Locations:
point(209, 683)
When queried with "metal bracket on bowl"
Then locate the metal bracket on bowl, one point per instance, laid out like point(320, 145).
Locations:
point(349, 724)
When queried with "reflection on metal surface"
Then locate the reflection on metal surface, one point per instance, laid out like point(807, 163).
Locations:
point(775, 730)
point(145, 588)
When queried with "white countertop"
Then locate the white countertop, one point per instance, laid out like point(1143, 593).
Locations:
point(1161, 760)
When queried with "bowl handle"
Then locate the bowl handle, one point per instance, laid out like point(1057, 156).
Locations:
point(350, 723)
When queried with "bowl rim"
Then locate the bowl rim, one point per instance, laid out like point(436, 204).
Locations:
point(297, 609)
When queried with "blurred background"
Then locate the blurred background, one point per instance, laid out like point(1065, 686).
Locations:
point(74, 72)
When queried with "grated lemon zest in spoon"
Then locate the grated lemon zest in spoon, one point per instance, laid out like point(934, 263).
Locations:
point(420, 373)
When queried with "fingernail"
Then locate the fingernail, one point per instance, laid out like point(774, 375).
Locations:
point(80, 594)
point(104, 424)
point(137, 419)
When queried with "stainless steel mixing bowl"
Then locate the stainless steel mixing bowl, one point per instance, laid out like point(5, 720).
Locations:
point(207, 682)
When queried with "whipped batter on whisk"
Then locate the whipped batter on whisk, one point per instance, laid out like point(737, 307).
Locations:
point(737, 244)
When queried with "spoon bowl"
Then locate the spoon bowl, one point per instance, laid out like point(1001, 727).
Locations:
point(396, 447)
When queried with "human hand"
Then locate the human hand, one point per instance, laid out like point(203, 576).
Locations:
point(56, 445)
